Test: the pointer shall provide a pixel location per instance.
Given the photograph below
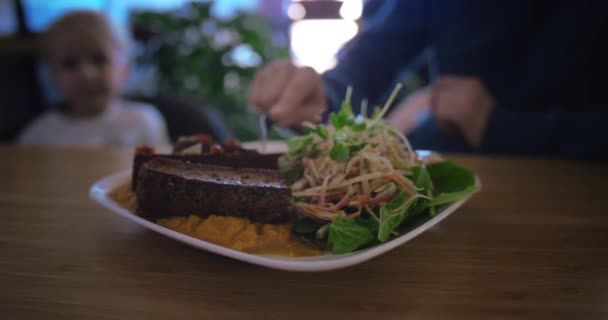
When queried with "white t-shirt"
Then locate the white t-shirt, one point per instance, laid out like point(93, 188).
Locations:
point(125, 123)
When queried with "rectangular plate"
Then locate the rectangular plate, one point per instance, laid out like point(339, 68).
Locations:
point(101, 189)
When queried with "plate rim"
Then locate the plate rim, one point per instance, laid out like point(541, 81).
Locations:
point(99, 192)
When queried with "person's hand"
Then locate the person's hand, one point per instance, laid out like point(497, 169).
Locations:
point(288, 94)
point(464, 104)
point(405, 116)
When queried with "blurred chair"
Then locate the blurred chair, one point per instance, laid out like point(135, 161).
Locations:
point(20, 95)
point(185, 116)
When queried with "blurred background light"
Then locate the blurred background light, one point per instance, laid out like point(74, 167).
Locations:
point(296, 11)
point(315, 43)
point(351, 9)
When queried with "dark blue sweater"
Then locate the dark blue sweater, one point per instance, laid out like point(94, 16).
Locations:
point(545, 63)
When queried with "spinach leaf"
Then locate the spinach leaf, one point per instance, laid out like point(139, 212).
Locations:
point(314, 152)
point(343, 118)
point(305, 226)
point(321, 132)
point(372, 225)
point(339, 152)
point(451, 182)
point(347, 236)
point(336, 121)
point(355, 147)
point(339, 120)
point(397, 202)
point(346, 109)
point(292, 175)
point(392, 215)
point(432, 211)
point(449, 177)
point(422, 179)
point(359, 127)
point(299, 143)
point(450, 197)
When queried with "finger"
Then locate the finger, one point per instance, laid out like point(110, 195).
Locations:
point(309, 110)
point(304, 84)
point(448, 126)
point(303, 88)
point(294, 118)
point(278, 75)
point(457, 83)
point(255, 92)
point(443, 83)
point(442, 112)
point(434, 97)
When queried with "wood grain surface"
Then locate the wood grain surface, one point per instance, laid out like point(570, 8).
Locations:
point(532, 245)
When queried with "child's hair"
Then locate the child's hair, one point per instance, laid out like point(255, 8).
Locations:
point(84, 21)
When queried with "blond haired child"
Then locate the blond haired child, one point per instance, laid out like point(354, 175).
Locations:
point(89, 63)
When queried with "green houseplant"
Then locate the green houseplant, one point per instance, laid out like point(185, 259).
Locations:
point(199, 55)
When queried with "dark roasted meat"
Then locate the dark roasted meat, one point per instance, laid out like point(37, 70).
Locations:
point(169, 187)
point(235, 159)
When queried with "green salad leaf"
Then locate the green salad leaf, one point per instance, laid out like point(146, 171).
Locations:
point(337, 121)
point(321, 132)
point(359, 127)
point(346, 109)
point(299, 143)
point(421, 177)
point(372, 225)
point(343, 118)
point(339, 152)
point(392, 215)
point(355, 147)
point(305, 226)
point(422, 180)
point(291, 176)
point(449, 197)
point(347, 236)
point(451, 182)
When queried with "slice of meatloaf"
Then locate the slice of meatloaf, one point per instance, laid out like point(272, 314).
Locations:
point(169, 187)
point(249, 159)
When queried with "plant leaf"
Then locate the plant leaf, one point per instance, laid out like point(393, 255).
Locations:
point(339, 120)
point(450, 182)
point(305, 226)
point(343, 118)
point(372, 225)
point(422, 179)
point(359, 127)
point(449, 177)
point(299, 143)
point(397, 202)
point(355, 147)
point(291, 176)
point(346, 109)
point(347, 236)
point(449, 197)
point(392, 215)
point(339, 152)
point(321, 132)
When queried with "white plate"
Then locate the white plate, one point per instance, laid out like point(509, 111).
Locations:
point(100, 193)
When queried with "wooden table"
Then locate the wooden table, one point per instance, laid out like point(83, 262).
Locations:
point(532, 245)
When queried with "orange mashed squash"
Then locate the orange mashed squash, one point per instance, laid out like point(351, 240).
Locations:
point(231, 232)
point(124, 196)
point(241, 234)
